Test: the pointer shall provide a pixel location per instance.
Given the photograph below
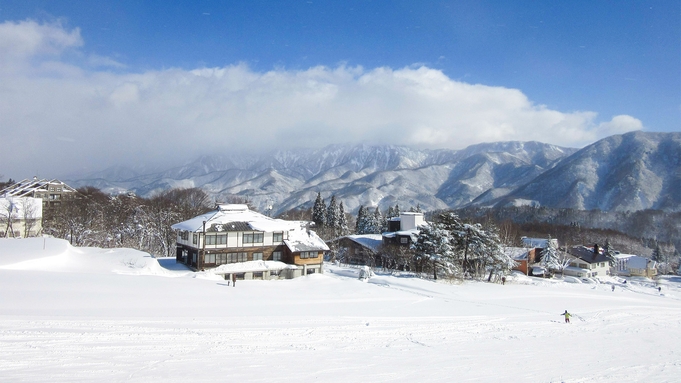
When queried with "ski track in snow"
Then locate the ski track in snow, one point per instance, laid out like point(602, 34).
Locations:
point(150, 325)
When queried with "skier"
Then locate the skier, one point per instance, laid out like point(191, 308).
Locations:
point(233, 280)
point(503, 280)
point(613, 288)
point(567, 316)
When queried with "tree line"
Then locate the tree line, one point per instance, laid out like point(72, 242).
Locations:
point(126, 220)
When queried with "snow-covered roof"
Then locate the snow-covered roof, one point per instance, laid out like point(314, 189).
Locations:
point(413, 233)
point(370, 241)
point(25, 188)
point(637, 262)
point(304, 240)
point(516, 253)
point(251, 266)
point(577, 269)
point(226, 216)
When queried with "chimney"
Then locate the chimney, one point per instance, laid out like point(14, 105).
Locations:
point(596, 250)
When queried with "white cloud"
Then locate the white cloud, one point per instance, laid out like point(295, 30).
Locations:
point(24, 39)
point(173, 114)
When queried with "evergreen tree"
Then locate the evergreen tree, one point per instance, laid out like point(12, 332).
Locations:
point(396, 210)
point(333, 215)
point(319, 211)
point(550, 256)
point(657, 255)
point(377, 222)
point(343, 221)
point(390, 213)
point(610, 252)
point(434, 247)
point(361, 220)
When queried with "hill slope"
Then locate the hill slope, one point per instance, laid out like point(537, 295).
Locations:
point(633, 171)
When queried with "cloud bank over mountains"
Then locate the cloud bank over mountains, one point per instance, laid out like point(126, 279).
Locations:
point(64, 109)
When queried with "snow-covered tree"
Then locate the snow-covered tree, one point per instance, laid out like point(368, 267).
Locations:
point(390, 213)
point(361, 220)
point(377, 222)
point(549, 256)
point(610, 252)
point(342, 220)
point(434, 250)
point(319, 211)
point(657, 255)
point(8, 216)
point(333, 215)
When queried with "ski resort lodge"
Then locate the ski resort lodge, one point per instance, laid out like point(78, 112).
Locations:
point(244, 244)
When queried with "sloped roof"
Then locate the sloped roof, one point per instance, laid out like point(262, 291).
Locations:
point(25, 188)
point(516, 253)
point(234, 217)
point(370, 241)
point(304, 240)
point(587, 255)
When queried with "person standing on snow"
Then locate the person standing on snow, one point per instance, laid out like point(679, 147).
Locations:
point(567, 316)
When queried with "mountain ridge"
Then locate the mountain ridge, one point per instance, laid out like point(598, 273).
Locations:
point(488, 174)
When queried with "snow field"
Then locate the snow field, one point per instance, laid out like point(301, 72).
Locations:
point(117, 315)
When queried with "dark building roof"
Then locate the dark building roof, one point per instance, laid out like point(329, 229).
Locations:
point(587, 255)
point(230, 226)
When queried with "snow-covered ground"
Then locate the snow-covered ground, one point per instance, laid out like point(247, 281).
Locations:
point(85, 314)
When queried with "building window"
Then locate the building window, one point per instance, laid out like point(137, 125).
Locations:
point(194, 238)
point(253, 238)
point(220, 259)
point(274, 273)
point(309, 254)
point(404, 240)
point(221, 239)
point(276, 256)
point(310, 271)
point(184, 235)
point(237, 257)
point(277, 237)
point(209, 258)
point(257, 256)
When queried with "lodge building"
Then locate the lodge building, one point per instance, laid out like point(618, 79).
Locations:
point(244, 244)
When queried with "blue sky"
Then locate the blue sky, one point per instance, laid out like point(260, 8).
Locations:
point(566, 73)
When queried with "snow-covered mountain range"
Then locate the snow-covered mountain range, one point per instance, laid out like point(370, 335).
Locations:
point(633, 171)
